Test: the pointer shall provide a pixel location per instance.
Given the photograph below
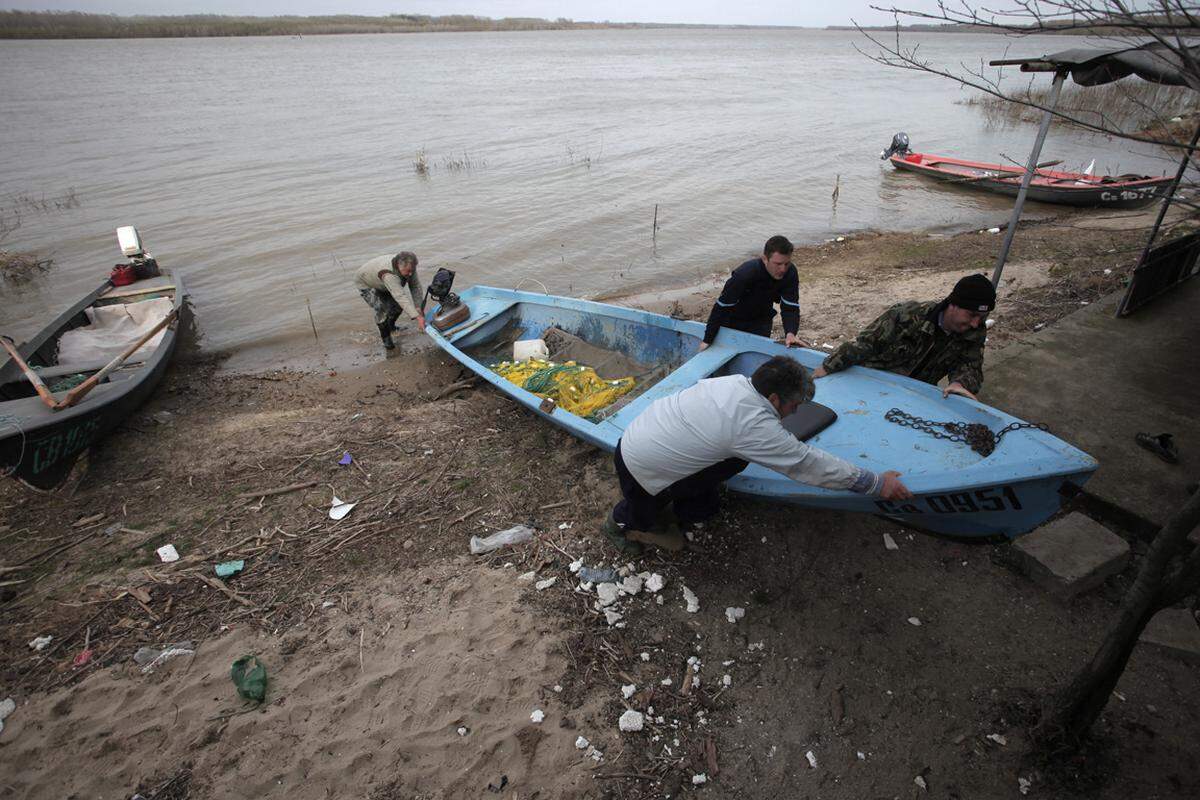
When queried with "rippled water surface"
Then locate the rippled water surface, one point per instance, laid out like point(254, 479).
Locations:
point(266, 169)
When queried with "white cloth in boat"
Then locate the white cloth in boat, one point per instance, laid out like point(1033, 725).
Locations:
point(720, 418)
point(113, 328)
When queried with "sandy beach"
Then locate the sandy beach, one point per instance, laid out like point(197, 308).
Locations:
point(401, 666)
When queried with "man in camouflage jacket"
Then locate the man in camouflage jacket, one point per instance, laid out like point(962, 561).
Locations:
point(926, 341)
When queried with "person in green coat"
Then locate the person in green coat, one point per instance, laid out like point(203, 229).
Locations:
point(927, 341)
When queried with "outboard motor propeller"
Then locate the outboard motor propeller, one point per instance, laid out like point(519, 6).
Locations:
point(899, 146)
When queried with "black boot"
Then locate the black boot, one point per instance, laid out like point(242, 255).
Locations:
point(385, 333)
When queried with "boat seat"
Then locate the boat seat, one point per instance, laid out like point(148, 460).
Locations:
point(808, 420)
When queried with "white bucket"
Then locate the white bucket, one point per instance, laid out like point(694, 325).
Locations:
point(530, 348)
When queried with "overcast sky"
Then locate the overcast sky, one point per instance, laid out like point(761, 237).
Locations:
point(807, 13)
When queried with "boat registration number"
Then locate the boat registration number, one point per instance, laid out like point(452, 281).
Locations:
point(996, 498)
point(1129, 194)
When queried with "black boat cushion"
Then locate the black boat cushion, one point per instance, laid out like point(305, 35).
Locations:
point(808, 420)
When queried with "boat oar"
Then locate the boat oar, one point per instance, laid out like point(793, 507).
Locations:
point(34, 378)
point(1007, 175)
point(80, 391)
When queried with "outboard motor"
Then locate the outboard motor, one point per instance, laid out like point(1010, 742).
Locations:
point(899, 146)
point(451, 310)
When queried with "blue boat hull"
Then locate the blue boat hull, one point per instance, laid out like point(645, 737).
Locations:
point(956, 491)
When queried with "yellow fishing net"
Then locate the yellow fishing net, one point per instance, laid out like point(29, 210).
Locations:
point(576, 388)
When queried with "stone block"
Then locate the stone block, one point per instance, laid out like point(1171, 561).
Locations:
point(1071, 555)
point(1175, 630)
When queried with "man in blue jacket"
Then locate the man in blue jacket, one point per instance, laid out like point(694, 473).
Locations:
point(747, 303)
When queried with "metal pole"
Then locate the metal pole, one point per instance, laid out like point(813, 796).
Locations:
point(1030, 168)
point(1162, 213)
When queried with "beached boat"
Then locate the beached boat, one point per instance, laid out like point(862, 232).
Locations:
point(957, 491)
point(1046, 186)
point(77, 358)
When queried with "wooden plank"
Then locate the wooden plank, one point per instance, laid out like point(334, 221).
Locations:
point(135, 292)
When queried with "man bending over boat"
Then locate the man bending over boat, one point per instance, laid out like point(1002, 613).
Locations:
point(926, 341)
point(390, 286)
point(747, 303)
point(684, 446)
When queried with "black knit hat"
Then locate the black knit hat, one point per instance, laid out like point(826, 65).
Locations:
point(974, 293)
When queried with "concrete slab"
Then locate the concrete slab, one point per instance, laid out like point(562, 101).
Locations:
point(1071, 555)
point(1097, 381)
point(1175, 630)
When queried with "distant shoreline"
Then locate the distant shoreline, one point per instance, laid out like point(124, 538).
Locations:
point(79, 25)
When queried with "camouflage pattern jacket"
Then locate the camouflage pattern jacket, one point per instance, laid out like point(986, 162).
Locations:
point(906, 339)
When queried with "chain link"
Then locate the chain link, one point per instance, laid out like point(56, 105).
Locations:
point(976, 434)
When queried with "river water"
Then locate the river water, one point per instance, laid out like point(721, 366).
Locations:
point(267, 169)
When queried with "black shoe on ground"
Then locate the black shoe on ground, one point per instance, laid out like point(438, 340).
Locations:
point(385, 333)
point(1161, 445)
point(615, 534)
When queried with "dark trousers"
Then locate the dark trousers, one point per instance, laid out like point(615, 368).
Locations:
point(695, 497)
point(759, 327)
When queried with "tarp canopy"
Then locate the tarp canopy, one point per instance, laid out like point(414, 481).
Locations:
point(1095, 66)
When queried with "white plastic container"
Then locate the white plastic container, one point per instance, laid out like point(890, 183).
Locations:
point(530, 348)
point(130, 242)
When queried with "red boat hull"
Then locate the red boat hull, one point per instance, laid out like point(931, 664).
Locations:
point(1047, 186)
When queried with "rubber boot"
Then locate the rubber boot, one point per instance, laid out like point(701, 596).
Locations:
point(385, 333)
point(616, 534)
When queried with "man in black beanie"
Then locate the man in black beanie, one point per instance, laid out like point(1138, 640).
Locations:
point(926, 341)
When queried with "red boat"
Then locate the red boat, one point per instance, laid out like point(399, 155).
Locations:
point(1047, 186)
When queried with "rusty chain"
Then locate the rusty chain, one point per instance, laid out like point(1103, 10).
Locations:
point(976, 434)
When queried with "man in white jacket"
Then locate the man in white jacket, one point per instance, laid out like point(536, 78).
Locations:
point(390, 286)
point(682, 447)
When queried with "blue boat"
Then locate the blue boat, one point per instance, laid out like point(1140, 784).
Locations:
point(957, 492)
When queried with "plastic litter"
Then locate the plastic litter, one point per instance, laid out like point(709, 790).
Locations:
point(631, 721)
point(340, 508)
point(733, 614)
point(6, 708)
point(700, 779)
point(228, 568)
point(693, 602)
point(627, 690)
point(537, 716)
point(997, 738)
point(250, 677)
point(914, 621)
point(920, 781)
point(514, 535)
point(463, 731)
point(167, 553)
point(726, 681)
point(597, 574)
point(346, 459)
point(83, 657)
point(40, 643)
point(812, 759)
point(148, 658)
point(581, 743)
point(546, 584)
point(889, 543)
point(530, 348)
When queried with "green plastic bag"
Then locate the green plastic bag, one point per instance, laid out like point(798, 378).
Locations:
point(250, 677)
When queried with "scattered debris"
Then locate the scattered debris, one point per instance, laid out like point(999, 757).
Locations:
point(527, 577)
point(167, 553)
point(645, 656)
point(889, 543)
point(997, 738)
point(40, 643)
point(693, 602)
point(607, 594)
point(6, 708)
point(726, 681)
point(513, 535)
point(497, 789)
point(993, 230)
point(733, 614)
point(631, 584)
point(537, 716)
point(250, 677)
point(338, 509)
point(546, 584)
point(463, 730)
point(575, 566)
point(627, 690)
point(699, 779)
point(346, 459)
point(655, 583)
point(861, 755)
point(914, 621)
point(631, 721)
point(581, 743)
point(920, 781)
point(1024, 784)
point(612, 617)
point(83, 657)
point(596, 574)
point(150, 658)
point(228, 568)
point(812, 759)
